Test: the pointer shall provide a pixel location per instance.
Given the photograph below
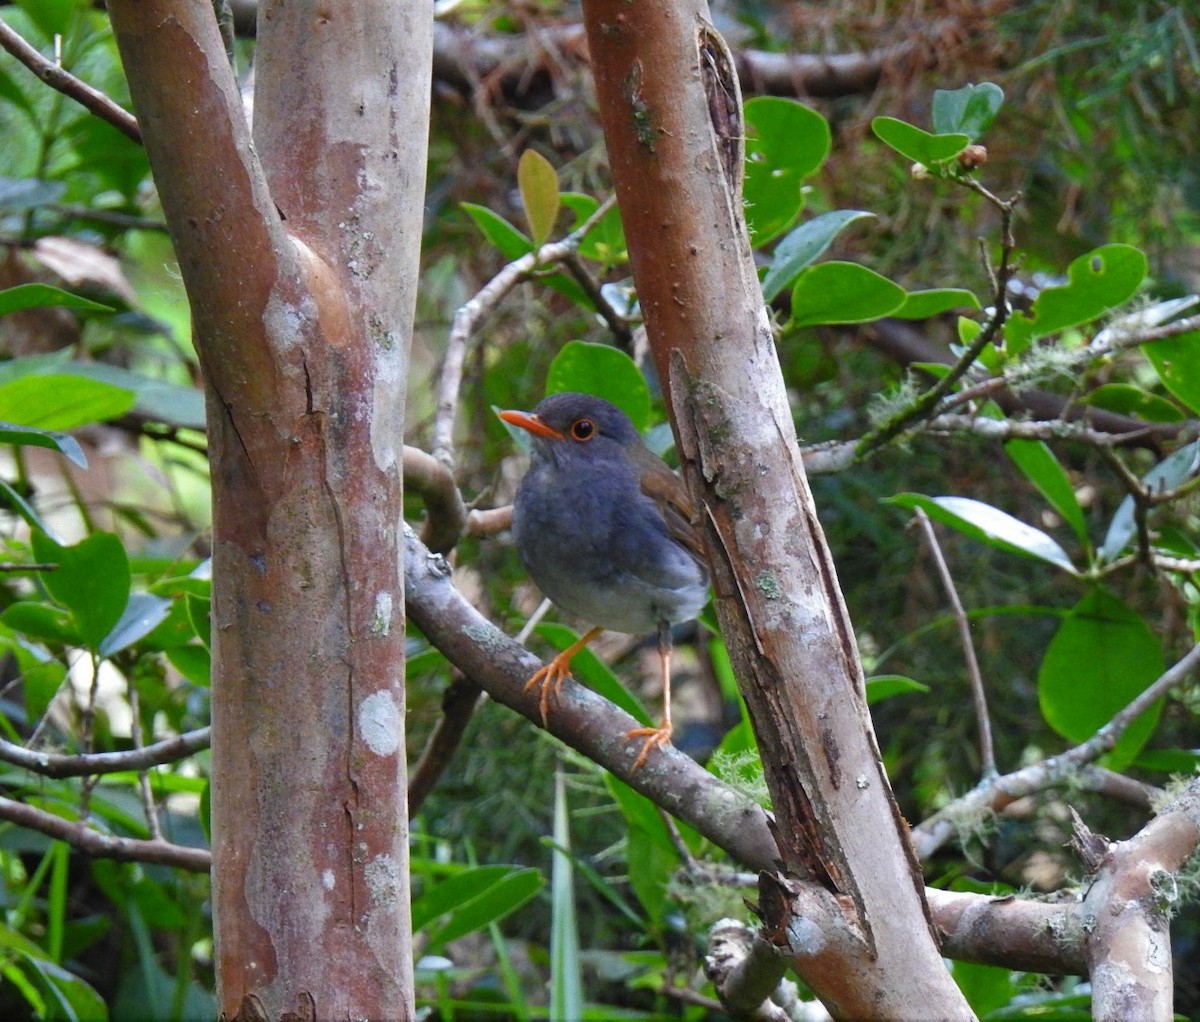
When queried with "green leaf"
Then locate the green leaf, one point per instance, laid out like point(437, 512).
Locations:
point(804, 245)
point(1177, 362)
point(92, 581)
point(53, 17)
point(42, 296)
point(21, 507)
point(885, 686)
point(837, 292)
point(602, 370)
point(1101, 657)
point(986, 987)
point(605, 242)
point(61, 401)
point(989, 525)
point(159, 400)
point(917, 145)
point(566, 979)
point(193, 662)
point(473, 899)
point(588, 669)
point(968, 111)
point(1097, 281)
point(41, 621)
point(538, 185)
point(785, 143)
point(650, 854)
point(28, 436)
point(924, 304)
point(511, 242)
point(67, 997)
point(1126, 399)
point(143, 613)
point(1042, 469)
point(1168, 474)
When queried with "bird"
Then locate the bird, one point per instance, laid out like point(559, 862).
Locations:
point(604, 528)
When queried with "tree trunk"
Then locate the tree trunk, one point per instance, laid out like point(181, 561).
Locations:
point(300, 263)
point(852, 911)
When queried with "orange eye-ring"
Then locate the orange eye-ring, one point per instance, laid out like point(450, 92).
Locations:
point(583, 429)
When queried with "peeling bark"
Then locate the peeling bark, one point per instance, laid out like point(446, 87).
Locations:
point(300, 265)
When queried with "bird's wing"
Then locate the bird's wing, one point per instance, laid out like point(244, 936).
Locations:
point(666, 489)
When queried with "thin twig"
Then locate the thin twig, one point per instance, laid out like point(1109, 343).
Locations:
point(472, 314)
point(994, 793)
point(135, 734)
point(52, 764)
point(987, 751)
point(66, 83)
point(105, 846)
point(924, 404)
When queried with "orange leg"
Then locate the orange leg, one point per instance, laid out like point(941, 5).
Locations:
point(661, 735)
point(551, 676)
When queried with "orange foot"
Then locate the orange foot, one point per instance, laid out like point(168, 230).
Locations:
point(655, 737)
point(550, 680)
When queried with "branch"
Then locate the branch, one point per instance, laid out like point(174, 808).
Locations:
point(987, 752)
point(475, 312)
point(63, 81)
point(993, 794)
point(105, 846)
point(53, 764)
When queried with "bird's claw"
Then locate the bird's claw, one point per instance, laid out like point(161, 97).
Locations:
point(549, 678)
point(655, 737)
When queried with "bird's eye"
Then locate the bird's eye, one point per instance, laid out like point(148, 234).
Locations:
point(583, 429)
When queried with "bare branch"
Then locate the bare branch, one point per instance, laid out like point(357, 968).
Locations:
point(52, 764)
point(987, 752)
point(993, 794)
point(105, 846)
point(458, 707)
point(445, 512)
point(63, 81)
point(474, 313)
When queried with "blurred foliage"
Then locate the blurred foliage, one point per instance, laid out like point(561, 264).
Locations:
point(103, 475)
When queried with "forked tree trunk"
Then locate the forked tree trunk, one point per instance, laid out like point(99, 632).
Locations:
point(857, 923)
point(300, 262)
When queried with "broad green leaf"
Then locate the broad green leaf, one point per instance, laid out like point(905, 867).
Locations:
point(986, 987)
point(566, 979)
point(1096, 282)
point(1042, 469)
point(143, 613)
point(884, 686)
point(193, 662)
point(42, 296)
point(67, 997)
point(917, 145)
point(588, 669)
point(785, 143)
point(91, 580)
point(650, 853)
point(511, 242)
point(60, 402)
point(53, 17)
point(42, 621)
point(159, 400)
point(28, 436)
point(1101, 657)
point(538, 185)
point(838, 292)
point(602, 370)
point(1168, 474)
point(1126, 399)
point(1177, 362)
point(924, 304)
point(989, 525)
point(968, 111)
point(803, 246)
point(473, 899)
point(605, 242)
point(22, 508)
